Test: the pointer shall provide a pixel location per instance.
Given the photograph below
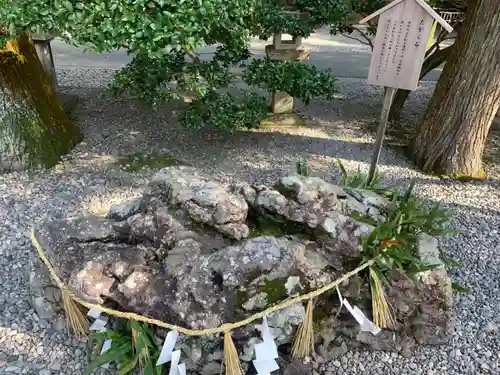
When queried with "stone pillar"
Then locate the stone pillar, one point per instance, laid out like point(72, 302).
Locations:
point(290, 50)
point(44, 52)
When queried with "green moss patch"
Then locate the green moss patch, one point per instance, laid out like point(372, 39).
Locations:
point(275, 290)
point(137, 162)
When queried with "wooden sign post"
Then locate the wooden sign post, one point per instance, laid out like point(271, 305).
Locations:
point(403, 29)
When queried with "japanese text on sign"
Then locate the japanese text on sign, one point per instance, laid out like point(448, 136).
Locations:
point(399, 47)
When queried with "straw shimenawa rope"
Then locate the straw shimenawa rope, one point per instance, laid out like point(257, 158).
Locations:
point(186, 331)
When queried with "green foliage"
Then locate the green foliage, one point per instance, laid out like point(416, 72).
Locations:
point(359, 180)
point(303, 168)
point(4, 36)
point(161, 79)
point(153, 79)
point(460, 288)
point(131, 349)
point(161, 33)
point(356, 9)
point(152, 27)
point(297, 79)
point(225, 111)
point(393, 241)
point(326, 12)
point(394, 250)
point(270, 19)
point(147, 78)
point(416, 218)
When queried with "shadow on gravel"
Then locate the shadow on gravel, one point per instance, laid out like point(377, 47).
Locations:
point(121, 127)
point(338, 129)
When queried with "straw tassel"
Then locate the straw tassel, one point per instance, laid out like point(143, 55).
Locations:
point(231, 359)
point(382, 315)
point(304, 340)
point(75, 318)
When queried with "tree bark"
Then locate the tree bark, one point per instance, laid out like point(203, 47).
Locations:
point(34, 129)
point(431, 62)
point(453, 133)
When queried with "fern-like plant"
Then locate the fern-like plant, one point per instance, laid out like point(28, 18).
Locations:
point(132, 349)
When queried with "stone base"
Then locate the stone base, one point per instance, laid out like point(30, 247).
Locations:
point(298, 54)
point(283, 120)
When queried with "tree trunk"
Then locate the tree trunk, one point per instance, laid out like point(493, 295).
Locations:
point(431, 62)
point(453, 133)
point(34, 129)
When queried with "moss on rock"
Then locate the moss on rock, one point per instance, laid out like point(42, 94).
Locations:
point(137, 162)
point(275, 290)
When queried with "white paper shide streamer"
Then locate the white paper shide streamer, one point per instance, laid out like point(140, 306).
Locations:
point(266, 352)
point(365, 324)
point(168, 354)
point(99, 325)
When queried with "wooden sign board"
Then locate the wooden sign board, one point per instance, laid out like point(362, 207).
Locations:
point(403, 30)
point(400, 45)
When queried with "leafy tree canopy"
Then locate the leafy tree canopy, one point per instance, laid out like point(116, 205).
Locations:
point(161, 34)
point(157, 27)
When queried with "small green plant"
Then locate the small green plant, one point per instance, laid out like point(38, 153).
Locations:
point(393, 244)
point(358, 180)
point(416, 218)
point(394, 251)
point(303, 168)
point(132, 349)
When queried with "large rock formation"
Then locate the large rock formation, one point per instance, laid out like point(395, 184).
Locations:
point(196, 253)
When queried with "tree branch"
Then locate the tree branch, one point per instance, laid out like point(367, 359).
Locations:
point(364, 35)
point(442, 36)
point(194, 56)
point(366, 40)
point(434, 60)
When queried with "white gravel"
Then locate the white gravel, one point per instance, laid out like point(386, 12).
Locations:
point(89, 179)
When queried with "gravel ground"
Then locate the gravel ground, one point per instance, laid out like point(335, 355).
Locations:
point(90, 178)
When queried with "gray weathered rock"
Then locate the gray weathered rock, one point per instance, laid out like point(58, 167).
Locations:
point(204, 201)
point(45, 297)
point(124, 210)
point(171, 256)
